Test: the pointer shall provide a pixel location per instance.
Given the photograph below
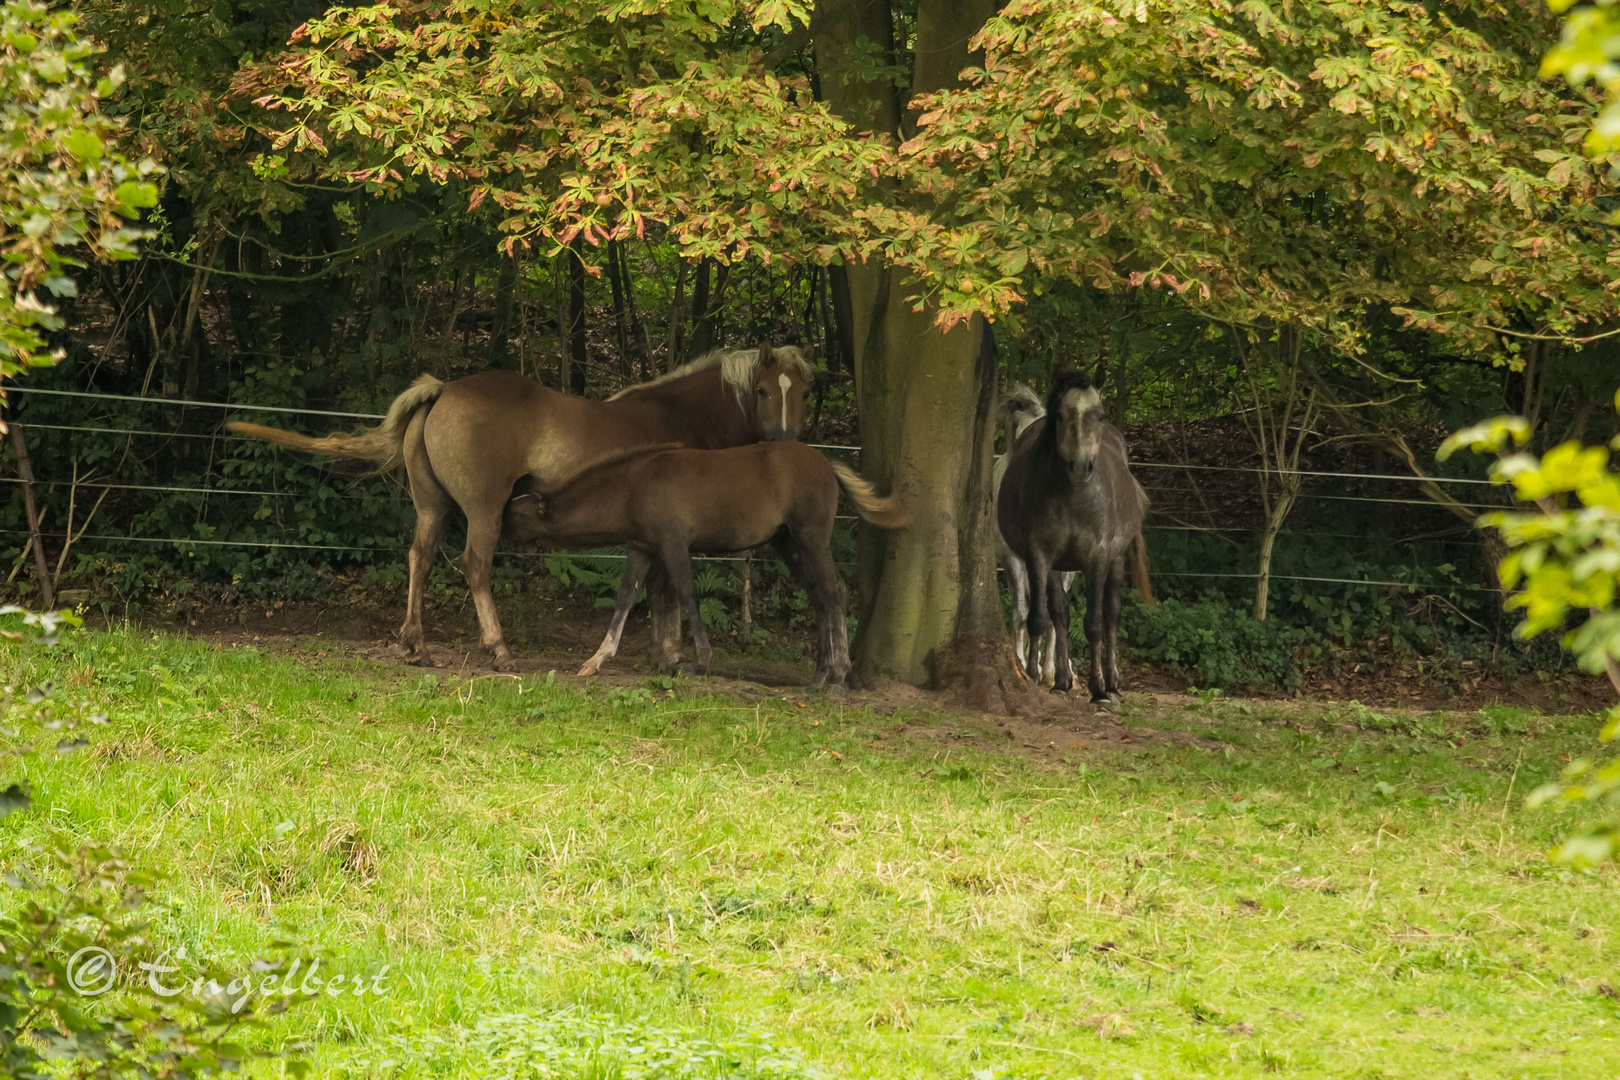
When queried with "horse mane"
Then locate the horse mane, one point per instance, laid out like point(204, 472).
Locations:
point(1020, 407)
point(737, 370)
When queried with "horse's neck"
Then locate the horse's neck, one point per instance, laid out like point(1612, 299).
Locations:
point(592, 510)
point(697, 410)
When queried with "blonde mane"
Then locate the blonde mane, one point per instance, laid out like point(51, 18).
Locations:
point(737, 370)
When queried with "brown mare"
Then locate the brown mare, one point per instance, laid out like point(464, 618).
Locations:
point(665, 504)
point(465, 444)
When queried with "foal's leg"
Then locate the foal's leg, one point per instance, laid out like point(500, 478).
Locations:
point(1113, 599)
point(819, 576)
point(478, 560)
point(635, 568)
point(433, 507)
point(1062, 677)
point(1018, 585)
point(1039, 614)
point(1058, 658)
point(1096, 590)
point(664, 650)
point(677, 560)
point(796, 553)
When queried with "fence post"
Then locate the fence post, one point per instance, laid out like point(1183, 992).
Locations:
point(25, 469)
point(748, 592)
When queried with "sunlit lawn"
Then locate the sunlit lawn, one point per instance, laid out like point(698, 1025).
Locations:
point(1315, 899)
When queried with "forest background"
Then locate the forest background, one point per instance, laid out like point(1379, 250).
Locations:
point(1290, 240)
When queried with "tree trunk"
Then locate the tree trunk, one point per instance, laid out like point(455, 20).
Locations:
point(1274, 523)
point(25, 471)
point(620, 323)
point(700, 309)
point(500, 330)
point(677, 319)
point(929, 609)
point(638, 329)
point(576, 322)
point(843, 319)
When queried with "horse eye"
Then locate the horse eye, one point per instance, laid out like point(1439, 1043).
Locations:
point(760, 391)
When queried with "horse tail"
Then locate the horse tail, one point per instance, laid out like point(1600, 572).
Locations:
point(1139, 569)
point(885, 513)
point(383, 445)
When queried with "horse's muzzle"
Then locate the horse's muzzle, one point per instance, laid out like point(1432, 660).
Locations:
point(790, 435)
point(1082, 468)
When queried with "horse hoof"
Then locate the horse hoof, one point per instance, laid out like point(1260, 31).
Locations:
point(506, 666)
point(588, 670)
point(1105, 704)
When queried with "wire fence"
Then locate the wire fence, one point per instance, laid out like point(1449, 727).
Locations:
point(350, 550)
point(294, 410)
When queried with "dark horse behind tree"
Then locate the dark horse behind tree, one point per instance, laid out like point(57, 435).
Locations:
point(1069, 502)
point(465, 444)
point(665, 504)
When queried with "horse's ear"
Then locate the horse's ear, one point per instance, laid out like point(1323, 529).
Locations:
point(1099, 373)
point(764, 353)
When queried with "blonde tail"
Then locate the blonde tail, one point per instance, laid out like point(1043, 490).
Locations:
point(1139, 569)
point(384, 444)
point(886, 513)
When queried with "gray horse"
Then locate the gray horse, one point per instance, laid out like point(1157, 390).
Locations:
point(1019, 409)
point(1068, 502)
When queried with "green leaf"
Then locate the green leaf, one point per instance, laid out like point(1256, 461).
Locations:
point(132, 195)
point(84, 145)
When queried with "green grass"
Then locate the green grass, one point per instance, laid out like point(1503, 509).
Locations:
point(1330, 892)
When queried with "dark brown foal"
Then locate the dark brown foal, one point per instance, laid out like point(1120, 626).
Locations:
point(665, 504)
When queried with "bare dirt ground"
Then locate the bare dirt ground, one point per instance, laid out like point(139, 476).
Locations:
point(1039, 724)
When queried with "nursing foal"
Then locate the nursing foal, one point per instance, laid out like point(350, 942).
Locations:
point(665, 504)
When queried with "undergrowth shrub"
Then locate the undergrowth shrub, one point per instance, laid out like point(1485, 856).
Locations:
point(1217, 645)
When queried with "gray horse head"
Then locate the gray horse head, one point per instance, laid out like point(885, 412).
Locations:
point(1075, 407)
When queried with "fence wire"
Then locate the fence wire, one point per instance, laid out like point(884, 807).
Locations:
point(290, 410)
point(353, 550)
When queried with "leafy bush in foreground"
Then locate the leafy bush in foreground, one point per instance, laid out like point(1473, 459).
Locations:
point(1563, 564)
point(70, 1000)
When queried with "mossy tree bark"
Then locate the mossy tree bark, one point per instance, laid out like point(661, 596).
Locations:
point(930, 612)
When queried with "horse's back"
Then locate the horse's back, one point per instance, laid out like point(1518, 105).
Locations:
point(736, 497)
point(1129, 501)
point(1010, 511)
point(480, 430)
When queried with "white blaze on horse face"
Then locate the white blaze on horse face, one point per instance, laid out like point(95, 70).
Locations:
point(785, 383)
point(1080, 436)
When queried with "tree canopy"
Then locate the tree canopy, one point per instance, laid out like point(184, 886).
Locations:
point(1300, 163)
point(64, 185)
